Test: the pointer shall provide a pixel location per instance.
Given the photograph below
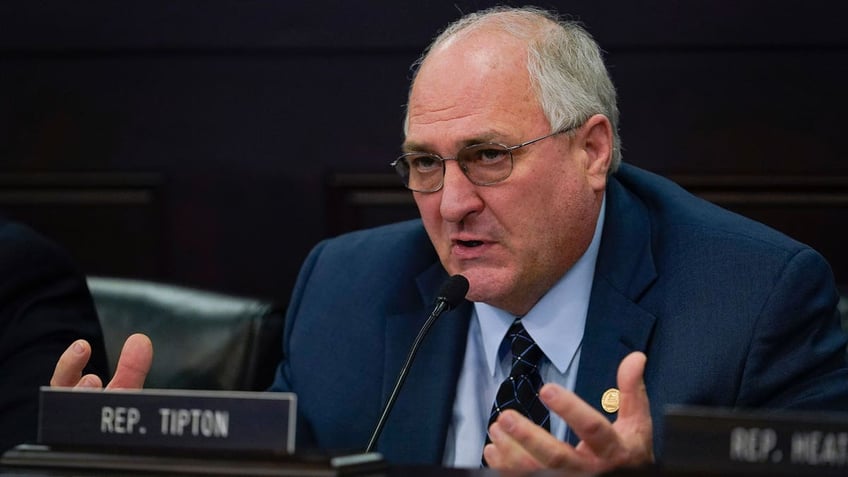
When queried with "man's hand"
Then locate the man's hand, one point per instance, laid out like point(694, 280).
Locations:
point(133, 365)
point(519, 444)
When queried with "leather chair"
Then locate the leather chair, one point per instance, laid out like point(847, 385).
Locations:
point(201, 340)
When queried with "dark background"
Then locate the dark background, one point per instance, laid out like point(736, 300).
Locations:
point(213, 143)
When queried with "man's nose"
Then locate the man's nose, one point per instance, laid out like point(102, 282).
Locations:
point(459, 194)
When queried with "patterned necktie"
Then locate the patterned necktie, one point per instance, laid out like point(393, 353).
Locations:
point(520, 391)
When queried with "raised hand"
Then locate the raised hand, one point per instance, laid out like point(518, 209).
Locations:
point(518, 444)
point(130, 373)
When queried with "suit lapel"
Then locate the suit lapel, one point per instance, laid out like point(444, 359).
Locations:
point(417, 427)
point(616, 325)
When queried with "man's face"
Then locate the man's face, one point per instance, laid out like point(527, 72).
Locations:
point(512, 240)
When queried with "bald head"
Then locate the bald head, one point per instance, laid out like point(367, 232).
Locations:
point(564, 64)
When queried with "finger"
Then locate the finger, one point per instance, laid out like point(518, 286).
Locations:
point(90, 381)
point(540, 445)
point(631, 384)
point(505, 452)
point(594, 430)
point(634, 416)
point(68, 370)
point(134, 363)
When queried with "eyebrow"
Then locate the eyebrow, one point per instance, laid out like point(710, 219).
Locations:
point(412, 147)
point(487, 137)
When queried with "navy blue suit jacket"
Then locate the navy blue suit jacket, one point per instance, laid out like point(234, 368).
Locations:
point(729, 312)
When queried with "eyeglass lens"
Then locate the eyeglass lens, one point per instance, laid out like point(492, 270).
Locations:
point(483, 164)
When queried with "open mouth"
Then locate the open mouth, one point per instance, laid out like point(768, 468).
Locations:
point(470, 243)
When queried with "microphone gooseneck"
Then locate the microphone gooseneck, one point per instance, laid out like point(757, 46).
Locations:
point(450, 295)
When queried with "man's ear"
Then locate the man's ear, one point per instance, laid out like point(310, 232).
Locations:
point(597, 143)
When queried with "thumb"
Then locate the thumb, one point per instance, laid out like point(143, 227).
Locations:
point(133, 364)
point(631, 384)
point(634, 416)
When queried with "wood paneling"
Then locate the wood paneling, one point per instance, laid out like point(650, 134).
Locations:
point(94, 215)
point(243, 110)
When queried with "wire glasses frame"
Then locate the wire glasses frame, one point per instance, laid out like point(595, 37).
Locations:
point(483, 164)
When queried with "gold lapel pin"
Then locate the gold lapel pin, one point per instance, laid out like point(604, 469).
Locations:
point(611, 400)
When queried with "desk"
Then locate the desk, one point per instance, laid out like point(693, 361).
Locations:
point(34, 461)
point(391, 471)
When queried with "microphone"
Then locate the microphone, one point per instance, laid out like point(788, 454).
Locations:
point(451, 294)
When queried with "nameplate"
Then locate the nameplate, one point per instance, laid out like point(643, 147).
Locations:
point(771, 442)
point(168, 420)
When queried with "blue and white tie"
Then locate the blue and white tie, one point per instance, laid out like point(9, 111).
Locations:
point(520, 391)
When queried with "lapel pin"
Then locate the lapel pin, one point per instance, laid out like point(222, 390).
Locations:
point(610, 401)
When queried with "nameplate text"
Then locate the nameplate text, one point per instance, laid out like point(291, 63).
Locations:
point(776, 442)
point(259, 422)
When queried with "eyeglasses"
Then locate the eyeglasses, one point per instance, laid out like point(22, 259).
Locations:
point(483, 164)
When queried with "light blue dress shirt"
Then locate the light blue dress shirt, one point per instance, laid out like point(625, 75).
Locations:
point(556, 323)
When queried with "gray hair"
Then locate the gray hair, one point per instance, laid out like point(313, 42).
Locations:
point(564, 62)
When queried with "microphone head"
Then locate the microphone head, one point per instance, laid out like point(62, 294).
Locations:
point(453, 291)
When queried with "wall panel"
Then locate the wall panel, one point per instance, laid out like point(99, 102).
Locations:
point(253, 123)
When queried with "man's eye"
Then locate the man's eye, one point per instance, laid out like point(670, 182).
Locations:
point(425, 164)
point(485, 156)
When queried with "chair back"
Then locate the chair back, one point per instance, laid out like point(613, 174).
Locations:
point(201, 340)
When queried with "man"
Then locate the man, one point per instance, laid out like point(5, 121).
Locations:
point(44, 306)
point(513, 155)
